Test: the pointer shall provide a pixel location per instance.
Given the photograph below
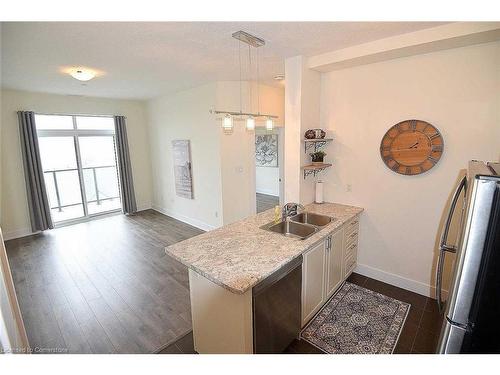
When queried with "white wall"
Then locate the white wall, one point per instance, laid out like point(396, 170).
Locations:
point(185, 115)
point(302, 112)
point(293, 94)
point(238, 149)
point(223, 165)
point(267, 180)
point(456, 90)
point(15, 218)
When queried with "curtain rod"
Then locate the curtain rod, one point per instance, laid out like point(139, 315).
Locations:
point(72, 114)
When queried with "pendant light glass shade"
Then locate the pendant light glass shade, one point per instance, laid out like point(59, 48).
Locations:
point(227, 124)
point(250, 123)
point(269, 124)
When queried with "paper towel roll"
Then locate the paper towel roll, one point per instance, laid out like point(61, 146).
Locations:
point(319, 192)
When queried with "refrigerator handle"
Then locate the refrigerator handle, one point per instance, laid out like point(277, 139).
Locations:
point(443, 246)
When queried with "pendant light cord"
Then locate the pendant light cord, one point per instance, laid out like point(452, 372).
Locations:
point(239, 59)
point(250, 74)
point(258, 83)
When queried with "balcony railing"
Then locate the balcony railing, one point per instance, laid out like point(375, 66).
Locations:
point(98, 195)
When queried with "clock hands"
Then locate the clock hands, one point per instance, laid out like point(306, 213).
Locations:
point(413, 146)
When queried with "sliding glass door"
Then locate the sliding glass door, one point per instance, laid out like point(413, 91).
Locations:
point(99, 173)
point(62, 180)
point(79, 162)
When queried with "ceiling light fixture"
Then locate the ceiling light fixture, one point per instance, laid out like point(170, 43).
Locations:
point(82, 74)
point(227, 121)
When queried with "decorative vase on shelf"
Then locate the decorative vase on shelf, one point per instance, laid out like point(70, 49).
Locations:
point(310, 134)
point(314, 134)
point(320, 133)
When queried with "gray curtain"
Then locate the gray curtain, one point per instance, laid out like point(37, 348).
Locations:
point(124, 167)
point(38, 202)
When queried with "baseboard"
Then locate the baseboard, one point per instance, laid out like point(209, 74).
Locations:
point(188, 220)
point(24, 232)
point(144, 207)
point(399, 281)
point(267, 192)
point(18, 233)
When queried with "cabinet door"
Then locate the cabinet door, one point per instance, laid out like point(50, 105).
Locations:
point(313, 281)
point(334, 262)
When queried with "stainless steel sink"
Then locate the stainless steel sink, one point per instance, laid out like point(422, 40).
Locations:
point(313, 219)
point(291, 229)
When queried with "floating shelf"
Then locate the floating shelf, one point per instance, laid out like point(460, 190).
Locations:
point(314, 169)
point(316, 143)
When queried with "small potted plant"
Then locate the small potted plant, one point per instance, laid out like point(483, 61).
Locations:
point(318, 157)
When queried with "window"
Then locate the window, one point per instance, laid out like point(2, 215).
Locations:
point(95, 123)
point(53, 122)
point(79, 163)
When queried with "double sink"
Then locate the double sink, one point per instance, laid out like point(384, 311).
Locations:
point(300, 226)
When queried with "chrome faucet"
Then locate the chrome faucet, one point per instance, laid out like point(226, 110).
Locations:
point(290, 209)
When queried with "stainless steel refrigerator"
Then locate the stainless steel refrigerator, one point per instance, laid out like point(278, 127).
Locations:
point(471, 321)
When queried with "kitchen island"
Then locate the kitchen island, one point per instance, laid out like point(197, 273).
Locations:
point(226, 263)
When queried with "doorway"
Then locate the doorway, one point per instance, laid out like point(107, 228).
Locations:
point(268, 168)
point(79, 163)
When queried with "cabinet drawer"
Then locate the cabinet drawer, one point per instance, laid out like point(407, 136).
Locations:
point(351, 237)
point(350, 264)
point(352, 226)
point(351, 250)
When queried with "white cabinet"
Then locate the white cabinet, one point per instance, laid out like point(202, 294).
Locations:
point(326, 266)
point(313, 281)
point(334, 255)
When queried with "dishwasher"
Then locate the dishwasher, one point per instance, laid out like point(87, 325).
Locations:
point(277, 309)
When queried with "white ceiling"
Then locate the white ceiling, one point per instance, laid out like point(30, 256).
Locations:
point(142, 60)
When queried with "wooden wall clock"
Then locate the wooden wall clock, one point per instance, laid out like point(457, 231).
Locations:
point(411, 147)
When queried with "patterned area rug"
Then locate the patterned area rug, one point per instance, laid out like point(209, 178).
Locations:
point(357, 321)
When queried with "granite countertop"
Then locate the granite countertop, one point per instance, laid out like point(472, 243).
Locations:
point(239, 255)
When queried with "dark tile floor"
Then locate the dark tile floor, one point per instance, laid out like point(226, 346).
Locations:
point(419, 336)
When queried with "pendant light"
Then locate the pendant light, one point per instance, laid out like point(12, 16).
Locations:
point(253, 42)
point(227, 124)
point(269, 124)
point(250, 123)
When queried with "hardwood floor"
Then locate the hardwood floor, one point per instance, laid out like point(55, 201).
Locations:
point(104, 286)
point(107, 286)
point(265, 202)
